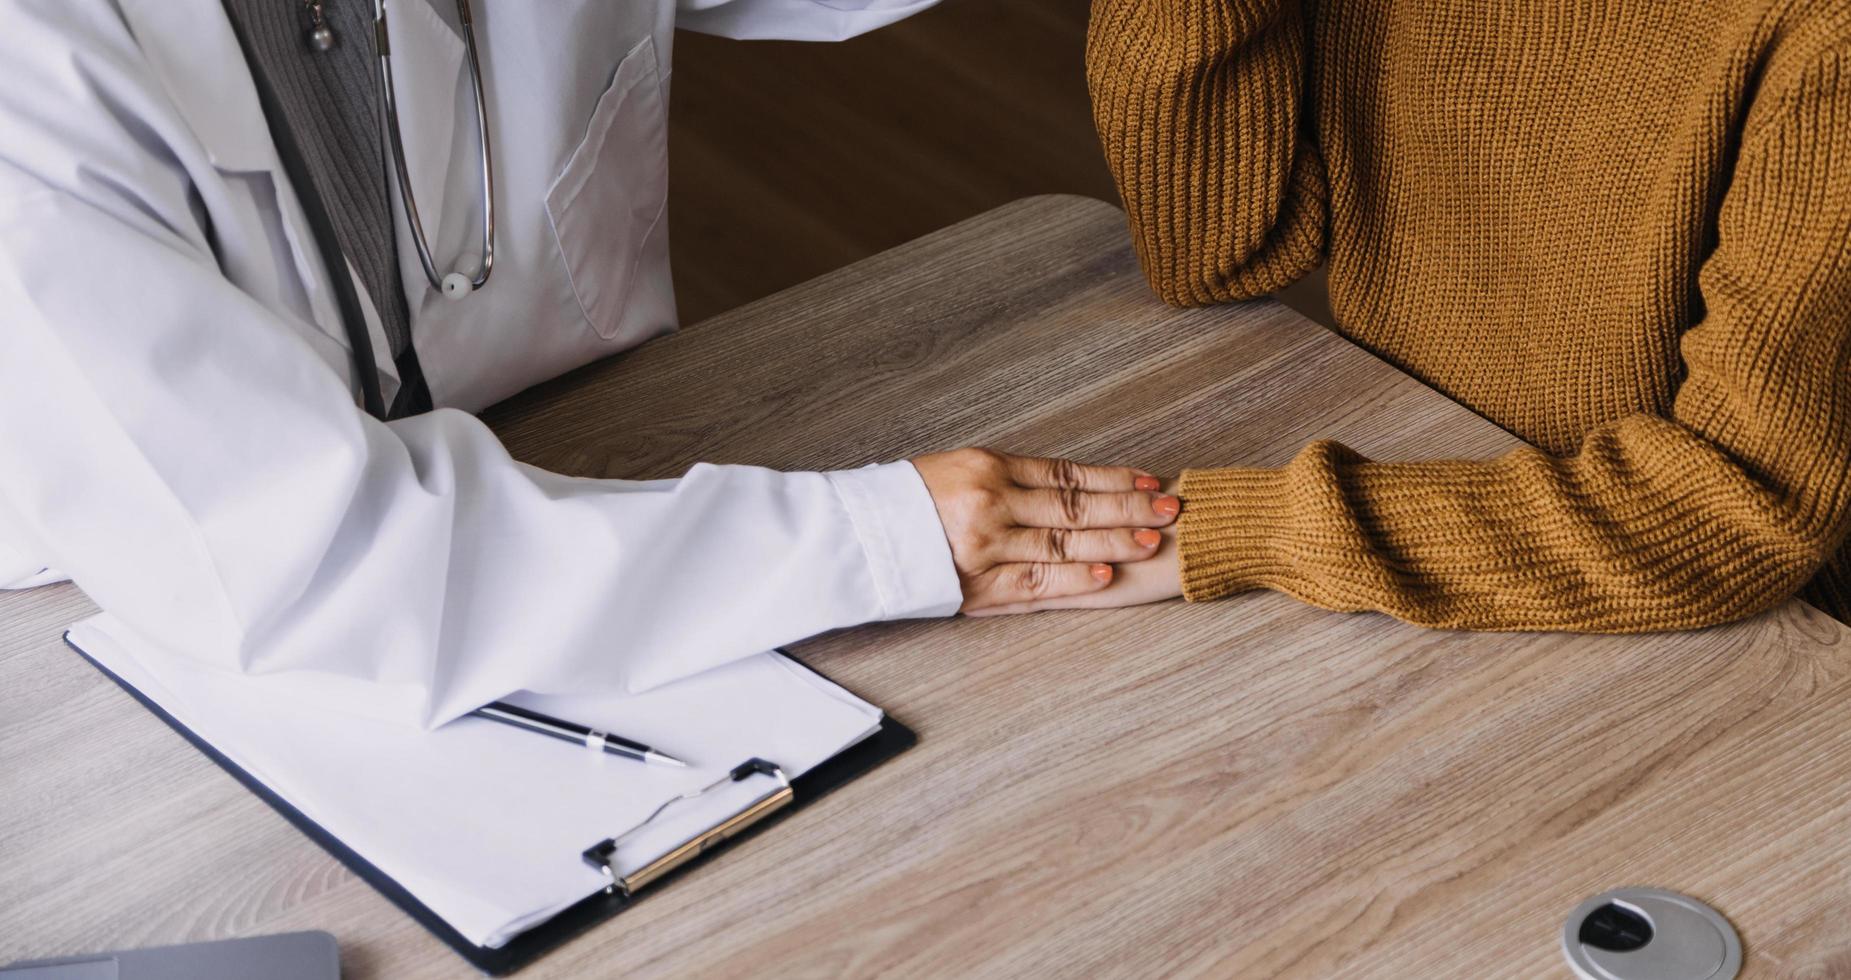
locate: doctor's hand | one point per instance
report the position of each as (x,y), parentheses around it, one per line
(1154,580)
(1027,531)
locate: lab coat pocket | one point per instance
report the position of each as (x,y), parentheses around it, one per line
(609,199)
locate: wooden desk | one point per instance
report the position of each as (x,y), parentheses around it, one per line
(1243,788)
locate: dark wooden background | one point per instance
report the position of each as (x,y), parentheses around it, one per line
(788,160)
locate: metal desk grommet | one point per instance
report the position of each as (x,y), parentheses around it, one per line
(1650,934)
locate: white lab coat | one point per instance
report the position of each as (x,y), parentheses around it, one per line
(181,432)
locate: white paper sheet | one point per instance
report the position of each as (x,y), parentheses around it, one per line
(484,823)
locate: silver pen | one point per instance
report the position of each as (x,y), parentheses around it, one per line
(591,738)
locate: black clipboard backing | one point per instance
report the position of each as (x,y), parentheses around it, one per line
(890,740)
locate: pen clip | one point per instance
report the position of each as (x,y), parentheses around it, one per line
(602,855)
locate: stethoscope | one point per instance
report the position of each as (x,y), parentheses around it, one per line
(454,285)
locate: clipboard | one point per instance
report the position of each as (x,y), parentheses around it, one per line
(764,811)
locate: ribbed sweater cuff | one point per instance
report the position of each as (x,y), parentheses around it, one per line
(1228,536)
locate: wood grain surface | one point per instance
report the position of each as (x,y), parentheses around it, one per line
(1243,788)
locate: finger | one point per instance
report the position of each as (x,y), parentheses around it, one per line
(1085,600)
(1098,599)
(1065,474)
(1030,581)
(1059,545)
(1081,509)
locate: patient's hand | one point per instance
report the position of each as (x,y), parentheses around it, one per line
(1032,533)
(1153,580)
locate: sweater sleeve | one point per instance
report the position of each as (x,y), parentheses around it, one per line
(1723,509)
(1201,110)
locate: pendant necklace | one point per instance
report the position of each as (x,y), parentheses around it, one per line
(320,35)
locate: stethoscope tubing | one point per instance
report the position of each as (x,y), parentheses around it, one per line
(388,95)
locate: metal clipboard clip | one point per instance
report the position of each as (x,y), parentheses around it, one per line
(602,854)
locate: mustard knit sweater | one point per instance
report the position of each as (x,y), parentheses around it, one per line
(1621,230)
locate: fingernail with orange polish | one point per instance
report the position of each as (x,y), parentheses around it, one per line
(1147,483)
(1167,506)
(1147,538)
(1102,572)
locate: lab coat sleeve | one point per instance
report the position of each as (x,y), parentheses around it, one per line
(17,571)
(183,453)
(793,20)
